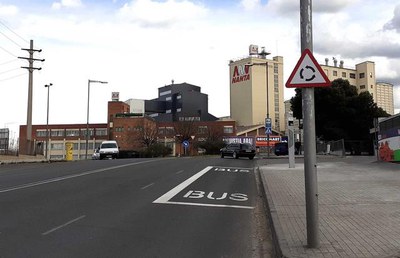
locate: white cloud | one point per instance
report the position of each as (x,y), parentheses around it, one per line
(250,5)
(318,6)
(395,22)
(150,13)
(8,10)
(67,4)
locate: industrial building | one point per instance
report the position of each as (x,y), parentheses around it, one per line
(180,113)
(256,90)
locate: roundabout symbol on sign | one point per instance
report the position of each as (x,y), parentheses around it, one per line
(309,78)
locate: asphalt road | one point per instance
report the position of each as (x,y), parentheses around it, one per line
(177,207)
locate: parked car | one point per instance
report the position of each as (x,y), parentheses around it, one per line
(281,148)
(96,154)
(109,149)
(237,150)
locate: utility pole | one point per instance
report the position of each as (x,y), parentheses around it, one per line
(30,68)
(310,156)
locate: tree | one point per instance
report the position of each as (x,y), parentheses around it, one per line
(213,142)
(340,112)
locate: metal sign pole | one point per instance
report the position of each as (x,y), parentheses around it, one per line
(310,156)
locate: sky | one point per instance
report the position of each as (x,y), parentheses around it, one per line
(138,46)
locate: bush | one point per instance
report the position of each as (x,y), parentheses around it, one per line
(211,147)
(157,150)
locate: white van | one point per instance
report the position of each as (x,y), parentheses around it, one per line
(109,149)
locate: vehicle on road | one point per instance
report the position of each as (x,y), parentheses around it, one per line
(236,150)
(96,154)
(281,148)
(109,149)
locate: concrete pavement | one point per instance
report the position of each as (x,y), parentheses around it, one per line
(359,207)
(8,159)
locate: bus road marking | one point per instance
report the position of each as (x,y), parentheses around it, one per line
(164,199)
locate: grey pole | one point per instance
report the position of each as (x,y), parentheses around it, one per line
(310,156)
(47,123)
(87,120)
(87,115)
(266,81)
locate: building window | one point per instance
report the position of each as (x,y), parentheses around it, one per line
(228,129)
(372,86)
(352,75)
(168,98)
(72,132)
(276,68)
(119,129)
(344,75)
(370,75)
(165,93)
(169,130)
(202,129)
(101,131)
(161,130)
(57,146)
(362,87)
(334,73)
(168,111)
(57,132)
(178,110)
(178,97)
(41,133)
(91,132)
(362,75)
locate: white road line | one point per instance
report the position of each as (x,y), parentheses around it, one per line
(167,196)
(211,205)
(57,179)
(63,225)
(180,171)
(144,187)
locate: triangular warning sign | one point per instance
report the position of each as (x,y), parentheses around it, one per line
(307,73)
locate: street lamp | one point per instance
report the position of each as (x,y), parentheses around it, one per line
(47,124)
(87,121)
(267,89)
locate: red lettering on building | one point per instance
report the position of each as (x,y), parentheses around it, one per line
(240,74)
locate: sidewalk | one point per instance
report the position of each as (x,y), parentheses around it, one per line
(7,159)
(359,207)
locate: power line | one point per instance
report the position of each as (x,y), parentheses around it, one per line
(5,50)
(2,23)
(9,62)
(7,71)
(12,77)
(7,37)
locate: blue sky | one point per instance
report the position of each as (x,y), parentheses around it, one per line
(140,45)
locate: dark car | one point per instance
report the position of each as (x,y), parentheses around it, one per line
(237,150)
(281,148)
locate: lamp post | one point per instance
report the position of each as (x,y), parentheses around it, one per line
(47,123)
(87,121)
(267,89)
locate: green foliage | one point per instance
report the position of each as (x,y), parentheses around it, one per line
(340,112)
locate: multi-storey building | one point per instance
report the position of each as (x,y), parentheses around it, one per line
(384,96)
(256,90)
(364,79)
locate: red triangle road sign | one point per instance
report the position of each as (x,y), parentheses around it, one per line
(307,73)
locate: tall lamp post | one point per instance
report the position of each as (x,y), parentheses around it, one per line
(267,89)
(87,121)
(47,123)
